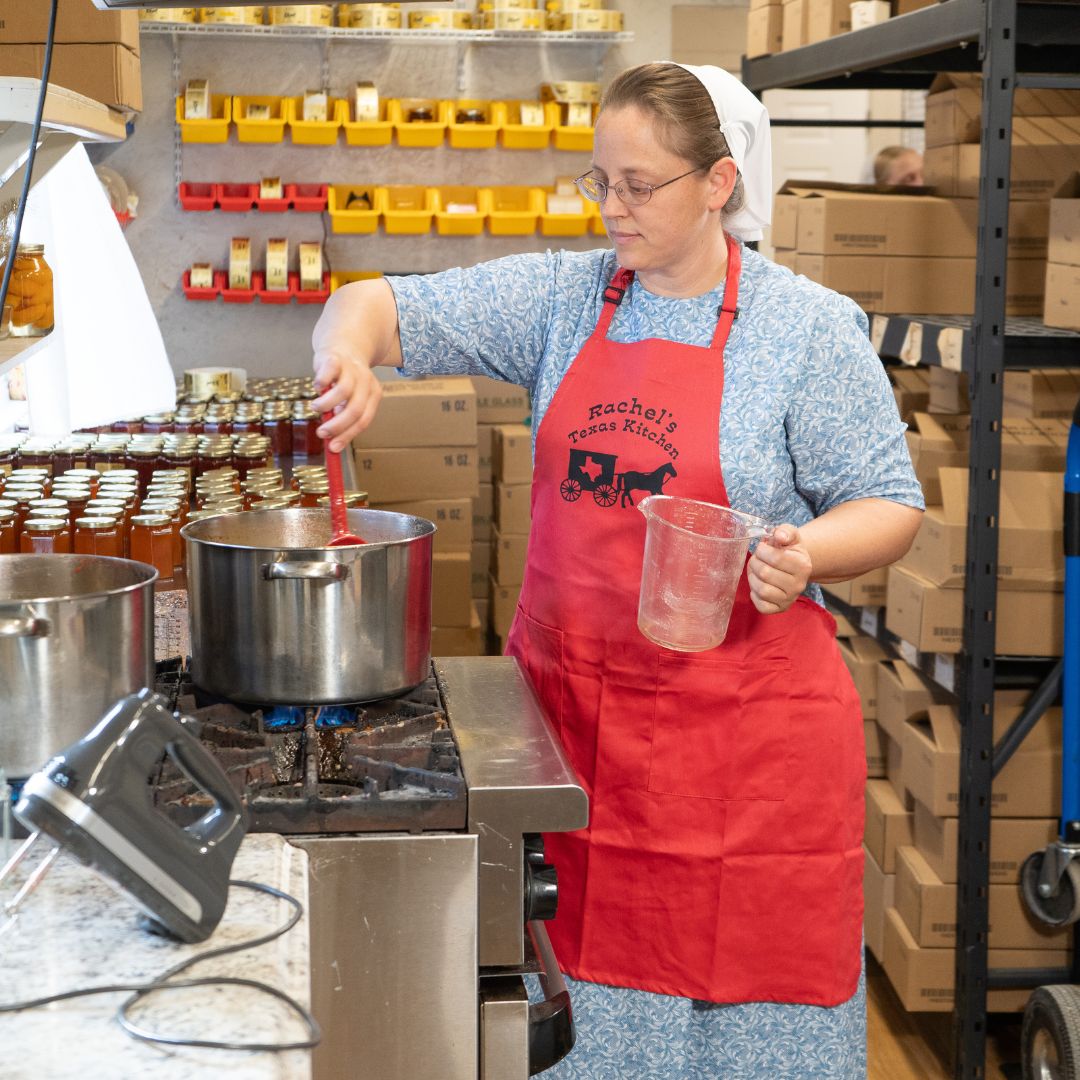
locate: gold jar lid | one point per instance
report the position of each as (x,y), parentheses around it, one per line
(6,514)
(216,451)
(114,512)
(112,504)
(151,520)
(213,511)
(112,475)
(8,504)
(30,249)
(143,451)
(353,499)
(45,524)
(98,523)
(56,504)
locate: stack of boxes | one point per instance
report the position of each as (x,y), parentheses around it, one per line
(512,466)
(497,404)
(1063,269)
(419,456)
(96,53)
(780,25)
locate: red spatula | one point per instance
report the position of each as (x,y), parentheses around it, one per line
(339,514)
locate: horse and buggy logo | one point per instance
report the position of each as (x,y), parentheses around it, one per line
(590,471)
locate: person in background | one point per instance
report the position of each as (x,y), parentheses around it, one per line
(898,166)
(710,916)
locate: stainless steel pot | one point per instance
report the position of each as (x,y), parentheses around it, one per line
(76,635)
(277,616)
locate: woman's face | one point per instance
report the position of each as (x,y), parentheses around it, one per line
(679,220)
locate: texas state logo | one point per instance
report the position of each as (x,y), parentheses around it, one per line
(601,474)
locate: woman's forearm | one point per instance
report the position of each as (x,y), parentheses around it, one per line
(858,536)
(359,324)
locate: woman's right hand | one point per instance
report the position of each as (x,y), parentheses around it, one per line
(350,390)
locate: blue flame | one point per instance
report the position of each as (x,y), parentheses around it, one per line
(335,716)
(283,718)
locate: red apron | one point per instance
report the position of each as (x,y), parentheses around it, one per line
(723,857)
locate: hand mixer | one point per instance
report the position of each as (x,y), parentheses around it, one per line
(95,800)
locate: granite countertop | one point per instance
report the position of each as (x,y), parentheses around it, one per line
(76,931)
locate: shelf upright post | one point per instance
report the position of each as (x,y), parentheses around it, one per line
(977,674)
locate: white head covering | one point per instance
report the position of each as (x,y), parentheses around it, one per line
(745,125)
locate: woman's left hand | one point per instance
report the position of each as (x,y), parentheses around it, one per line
(778,571)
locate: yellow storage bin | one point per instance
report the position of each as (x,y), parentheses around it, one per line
(418,132)
(569,138)
(346,277)
(567,224)
(313,132)
(214,130)
(259,131)
(450,222)
(407,209)
(473,134)
(365,132)
(518,136)
(355,219)
(512,210)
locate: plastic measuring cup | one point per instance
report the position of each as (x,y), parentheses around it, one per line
(694,556)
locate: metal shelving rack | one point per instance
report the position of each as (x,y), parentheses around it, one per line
(1012,45)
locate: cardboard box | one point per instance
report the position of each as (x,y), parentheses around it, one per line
(513,508)
(423,412)
(407,474)
(888,824)
(1042,392)
(483,511)
(1030,543)
(78,22)
(1061,306)
(483,609)
(485,441)
(452,518)
(1029,786)
(709,34)
(504,600)
(481,569)
(931,286)
(764,30)
(928,907)
(1064,246)
(844,629)
(866,590)
(948,391)
(931,618)
(954,107)
(1012,840)
(508,558)
(785,259)
(451,589)
(499,402)
(924,979)
(785,220)
(511,454)
(857,219)
(826,19)
(911,389)
(903,691)
(1045,154)
(459,640)
(861,656)
(874,738)
(878,891)
(793,25)
(894,772)
(107,73)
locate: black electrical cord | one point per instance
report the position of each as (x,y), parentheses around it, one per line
(20,209)
(165,981)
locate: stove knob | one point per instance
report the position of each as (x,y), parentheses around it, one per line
(541,891)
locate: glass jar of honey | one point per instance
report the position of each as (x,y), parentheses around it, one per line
(9,540)
(30,292)
(277,426)
(311,492)
(151,542)
(45,536)
(305,423)
(98,536)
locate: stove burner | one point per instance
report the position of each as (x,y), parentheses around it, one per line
(389,764)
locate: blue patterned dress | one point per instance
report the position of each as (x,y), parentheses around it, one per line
(808,422)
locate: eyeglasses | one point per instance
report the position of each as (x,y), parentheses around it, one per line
(632,192)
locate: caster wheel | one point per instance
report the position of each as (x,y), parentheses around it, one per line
(1060,910)
(1050,1037)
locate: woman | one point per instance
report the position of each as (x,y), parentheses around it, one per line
(898,166)
(722,864)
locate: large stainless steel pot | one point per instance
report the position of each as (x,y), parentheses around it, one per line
(76,635)
(277,616)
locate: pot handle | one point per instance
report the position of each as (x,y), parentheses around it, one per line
(311,571)
(30,626)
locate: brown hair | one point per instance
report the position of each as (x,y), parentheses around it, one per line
(686,120)
(885,159)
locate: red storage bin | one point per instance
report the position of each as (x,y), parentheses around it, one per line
(279,296)
(307,198)
(273,206)
(242,296)
(237,197)
(313,296)
(198,196)
(212,293)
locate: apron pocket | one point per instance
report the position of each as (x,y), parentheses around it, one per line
(540,650)
(720,728)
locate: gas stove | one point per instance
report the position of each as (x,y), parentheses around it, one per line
(421,818)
